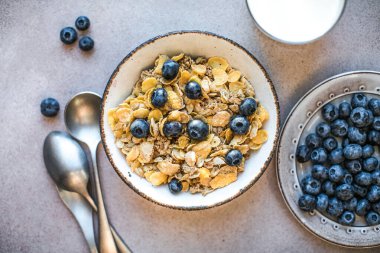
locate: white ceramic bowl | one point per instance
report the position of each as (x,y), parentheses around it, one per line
(195,43)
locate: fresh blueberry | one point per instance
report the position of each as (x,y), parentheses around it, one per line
(175,186)
(68,35)
(344,192)
(373,137)
(345,142)
(193,90)
(49,107)
(159,97)
(363,178)
(361,117)
(172,129)
(313,141)
(359,191)
(330,144)
(376,123)
(336,156)
(323,129)
(376,177)
(328,187)
(307,202)
(373,194)
(374,106)
(344,110)
(367,151)
(330,112)
(239,124)
(352,151)
(248,106)
(356,135)
(303,154)
(347,218)
(310,185)
(348,178)
(372,218)
(82,23)
(336,173)
(318,155)
(234,157)
(170,70)
(353,166)
(197,129)
(370,164)
(322,202)
(320,172)
(140,128)
(362,207)
(350,204)
(86,43)
(339,128)
(376,207)
(335,207)
(359,100)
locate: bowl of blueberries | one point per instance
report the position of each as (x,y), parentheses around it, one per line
(328,160)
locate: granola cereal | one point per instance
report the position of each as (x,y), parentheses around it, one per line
(198,165)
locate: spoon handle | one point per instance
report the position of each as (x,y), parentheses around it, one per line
(106,241)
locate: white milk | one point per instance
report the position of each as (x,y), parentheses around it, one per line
(296,21)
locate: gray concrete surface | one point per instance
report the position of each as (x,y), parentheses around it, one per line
(34,64)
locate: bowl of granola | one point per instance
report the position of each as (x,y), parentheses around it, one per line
(189,120)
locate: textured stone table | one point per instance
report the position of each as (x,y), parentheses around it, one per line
(34,64)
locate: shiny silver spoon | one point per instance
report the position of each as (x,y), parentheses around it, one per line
(82,116)
(67,164)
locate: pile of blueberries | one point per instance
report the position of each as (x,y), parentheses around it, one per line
(197,129)
(69,35)
(345,175)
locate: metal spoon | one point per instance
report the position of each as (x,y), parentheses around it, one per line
(82,115)
(67,164)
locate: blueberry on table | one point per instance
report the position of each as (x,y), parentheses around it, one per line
(303,153)
(172,129)
(336,173)
(335,207)
(359,100)
(367,151)
(307,202)
(82,23)
(248,106)
(370,164)
(318,155)
(322,202)
(350,204)
(344,192)
(323,129)
(361,117)
(353,151)
(376,177)
(362,207)
(363,179)
(86,43)
(313,141)
(234,157)
(347,218)
(239,124)
(359,191)
(336,156)
(330,144)
(372,218)
(170,69)
(330,112)
(175,186)
(328,187)
(311,185)
(193,90)
(348,178)
(374,106)
(68,35)
(353,166)
(339,128)
(197,129)
(373,137)
(49,107)
(373,194)
(376,207)
(344,110)
(356,135)
(376,123)
(159,97)
(140,128)
(319,172)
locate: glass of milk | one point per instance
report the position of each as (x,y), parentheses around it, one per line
(296,21)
